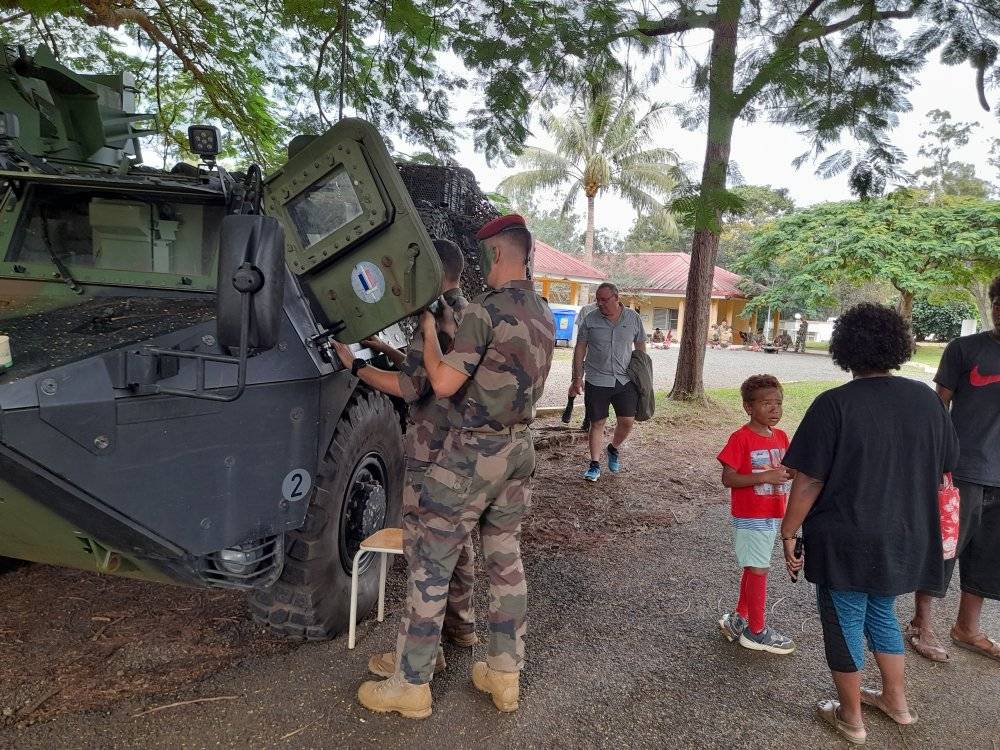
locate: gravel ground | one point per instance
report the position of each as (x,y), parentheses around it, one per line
(623,651)
(724,368)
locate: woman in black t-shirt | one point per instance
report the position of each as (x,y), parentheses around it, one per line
(870,455)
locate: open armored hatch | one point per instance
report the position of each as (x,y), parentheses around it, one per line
(352,234)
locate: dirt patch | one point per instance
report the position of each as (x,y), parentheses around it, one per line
(670,471)
(73,641)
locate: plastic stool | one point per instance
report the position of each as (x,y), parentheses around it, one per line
(386,542)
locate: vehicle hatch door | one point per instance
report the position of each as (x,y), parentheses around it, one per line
(352,235)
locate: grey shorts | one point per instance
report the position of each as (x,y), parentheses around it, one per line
(978,554)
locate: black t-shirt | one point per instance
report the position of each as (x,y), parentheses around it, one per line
(970,368)
(880,446)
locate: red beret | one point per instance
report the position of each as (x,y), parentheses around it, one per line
(493,228)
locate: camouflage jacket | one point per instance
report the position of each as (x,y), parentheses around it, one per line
(504,343)
(427,417)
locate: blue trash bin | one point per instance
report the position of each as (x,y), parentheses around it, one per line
(564,324)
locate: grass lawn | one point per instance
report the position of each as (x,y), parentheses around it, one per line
(927,353)
(728,406)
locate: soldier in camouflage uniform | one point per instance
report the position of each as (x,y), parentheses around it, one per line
(427,426)
(800,335)
(494,375)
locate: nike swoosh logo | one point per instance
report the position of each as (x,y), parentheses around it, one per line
(979,380)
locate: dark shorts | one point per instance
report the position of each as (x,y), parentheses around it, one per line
(978,554)
(623,397)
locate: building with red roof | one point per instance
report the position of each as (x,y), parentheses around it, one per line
(564,278)
(655,285)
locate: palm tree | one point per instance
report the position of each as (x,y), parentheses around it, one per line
(601,144)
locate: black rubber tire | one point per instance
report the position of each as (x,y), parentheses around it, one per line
(312,598)
(8,563)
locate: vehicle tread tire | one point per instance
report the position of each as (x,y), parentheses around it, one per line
(311,599)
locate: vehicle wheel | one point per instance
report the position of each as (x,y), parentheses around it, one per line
(358,491)
(8,563)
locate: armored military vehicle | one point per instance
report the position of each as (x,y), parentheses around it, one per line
(170,409)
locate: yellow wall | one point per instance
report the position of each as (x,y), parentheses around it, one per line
(562,290)
(720,310)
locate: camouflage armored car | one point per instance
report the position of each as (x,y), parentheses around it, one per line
(169,409)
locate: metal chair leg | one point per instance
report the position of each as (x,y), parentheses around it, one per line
(381,587)
(354,601)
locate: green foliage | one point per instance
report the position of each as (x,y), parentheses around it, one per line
(750,206)
(602,145)
(942,176)
(649,233)
(265,71)
(553,227)
(918,246)
(941,321)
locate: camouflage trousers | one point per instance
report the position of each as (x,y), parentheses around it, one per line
(479,479)
(460,615)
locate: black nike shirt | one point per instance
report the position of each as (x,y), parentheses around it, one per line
(970,368)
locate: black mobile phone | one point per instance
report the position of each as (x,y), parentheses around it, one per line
(568,411)
(798,556)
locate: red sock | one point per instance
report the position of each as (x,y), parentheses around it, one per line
(756,593)
(743,605)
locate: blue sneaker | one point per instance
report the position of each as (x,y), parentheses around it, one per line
(593,473)
(614,460)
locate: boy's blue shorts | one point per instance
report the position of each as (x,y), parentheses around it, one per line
(850,617)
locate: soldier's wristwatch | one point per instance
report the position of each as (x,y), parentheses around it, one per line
(357,364)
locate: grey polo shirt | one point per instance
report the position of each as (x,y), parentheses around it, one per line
(609,346)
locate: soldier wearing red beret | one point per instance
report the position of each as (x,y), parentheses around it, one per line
(493,376)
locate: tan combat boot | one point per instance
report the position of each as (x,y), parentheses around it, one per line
(384,665)
(460,639)
(503,686)
(396,694)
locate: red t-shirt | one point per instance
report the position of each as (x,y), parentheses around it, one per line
(750,453)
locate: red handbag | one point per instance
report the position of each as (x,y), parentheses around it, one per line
(948,505)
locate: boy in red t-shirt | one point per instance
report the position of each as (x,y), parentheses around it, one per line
(751,467)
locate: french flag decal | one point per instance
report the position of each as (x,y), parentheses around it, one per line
(368,282)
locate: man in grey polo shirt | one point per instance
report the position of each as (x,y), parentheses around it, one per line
(603,349)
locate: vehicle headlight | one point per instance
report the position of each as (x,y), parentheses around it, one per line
(204,140)
(239,560)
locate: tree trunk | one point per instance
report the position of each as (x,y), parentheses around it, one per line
(905,306)
(722,114)
(980,291)
(588,243)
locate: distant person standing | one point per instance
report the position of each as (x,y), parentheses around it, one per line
(801,334)
(725,335)
(968,380)
(601,358)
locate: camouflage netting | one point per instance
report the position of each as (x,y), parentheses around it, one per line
(44,340)
(452,207)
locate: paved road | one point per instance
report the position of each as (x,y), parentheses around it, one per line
(723,368)
(616,659)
